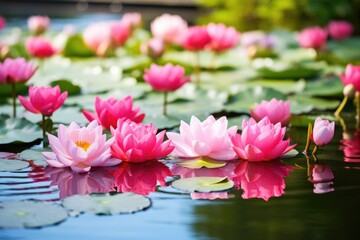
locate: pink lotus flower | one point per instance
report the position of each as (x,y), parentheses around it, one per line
(18,70)
(109,111)
(38,24)
(71,183)
(39,47)
(80,148)
(154,48)
(3,74)
(222,37)
(98,37)
(351,76)
(132,20)
(165,78)
(260,141)
(209,138)
(196,38)
(2,23)
(43,100)
(313,37)
(138,143)
(340,30)
(120,32)
(141,178)
(261,179)
(169,28)
(277,111)
(323,131)
(257,39)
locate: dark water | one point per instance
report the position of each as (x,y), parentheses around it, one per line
(309,209)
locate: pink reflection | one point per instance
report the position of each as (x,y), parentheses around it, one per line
(141,178)
(350,144)
(322,177)
(70,183)
(8,155)
(210,195)
(261,179)
(225,171)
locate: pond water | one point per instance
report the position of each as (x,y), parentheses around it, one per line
(318,209)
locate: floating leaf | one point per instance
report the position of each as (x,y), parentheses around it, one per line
(18,130)
(203,184)
(12,165)
(35,156)
(161,121)
(66,85)
(303,121)
(290,154)
(6,90)
(237,121)
(107,204)
(290,73)
(304,104)
(324,87)
(201,162)
(30,214)
(75,47)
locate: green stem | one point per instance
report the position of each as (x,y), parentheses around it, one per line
(315,150)
(165,103)
(197,68)
(308,167)
(13,86)
(341,106)
(306,150)
(44,131)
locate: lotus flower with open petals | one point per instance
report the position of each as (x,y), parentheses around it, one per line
(138,143)
(260,141)
(351,76)
(275,110)
(80,148)
(323,131)
(18,70)
(222,37)
(169,28)
(196,38)
(109,111)
(43,100)
(210,138)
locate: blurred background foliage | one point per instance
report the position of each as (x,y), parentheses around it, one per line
(269,14)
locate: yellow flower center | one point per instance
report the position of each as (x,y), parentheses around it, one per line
(83,144)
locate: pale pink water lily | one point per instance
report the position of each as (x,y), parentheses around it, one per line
(196,38)
(169,28)
(222,37)
(18,70)
(39,47)
(210,138)
(340,30)
(323,132)
(120,32)
(153,48)
(132,20)
(43,100)
(138,143)
(277,111)
(98,37)
(351,76)
(312,37)
(38,24)
(260,141)
(109,111)
(80,148)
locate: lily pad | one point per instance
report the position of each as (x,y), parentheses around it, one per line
(35,156)
(105,204)
(203,184)
(12,165)
(30,214)
(303,120)
(324,87)
(290,154)
(304,104)
(200,163)
(75,47)
(289,73)
(161,121)
(66,85)
(18,130)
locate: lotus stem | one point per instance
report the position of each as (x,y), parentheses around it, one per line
(306,150)
(315,150)
(308,167)
(165,103)
(43,126)
(13,87)
(197,68)
(341,106)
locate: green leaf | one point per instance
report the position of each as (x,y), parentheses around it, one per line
(75,47)
(304,120)
(203,184)
(12,165)
(304,104)
(35,156)
(161,121)
(324,87)
(106,204)
(6,90)
(290,73)
(66,85)
(30,214)
(200,162)
(18,130)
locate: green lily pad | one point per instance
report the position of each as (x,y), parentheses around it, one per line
(106,204)
(18,130)
(161,121)
(324,87)
(244,100)
(237,121)
(290,73)
(200,163)
(303,120)
(283,86)
(303,104)
(30,214)
(64,115)
(12,165)
(75,47)
(66,85)
(203,184)
(35,156)
(6,90)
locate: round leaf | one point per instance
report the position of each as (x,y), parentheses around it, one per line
(203,184)
(201,162)
(12,165)
(18,130)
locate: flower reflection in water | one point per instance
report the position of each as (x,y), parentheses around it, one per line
(350,144)
(141,178)
(321,175)
(261,179)
(210,195)
(70,183)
